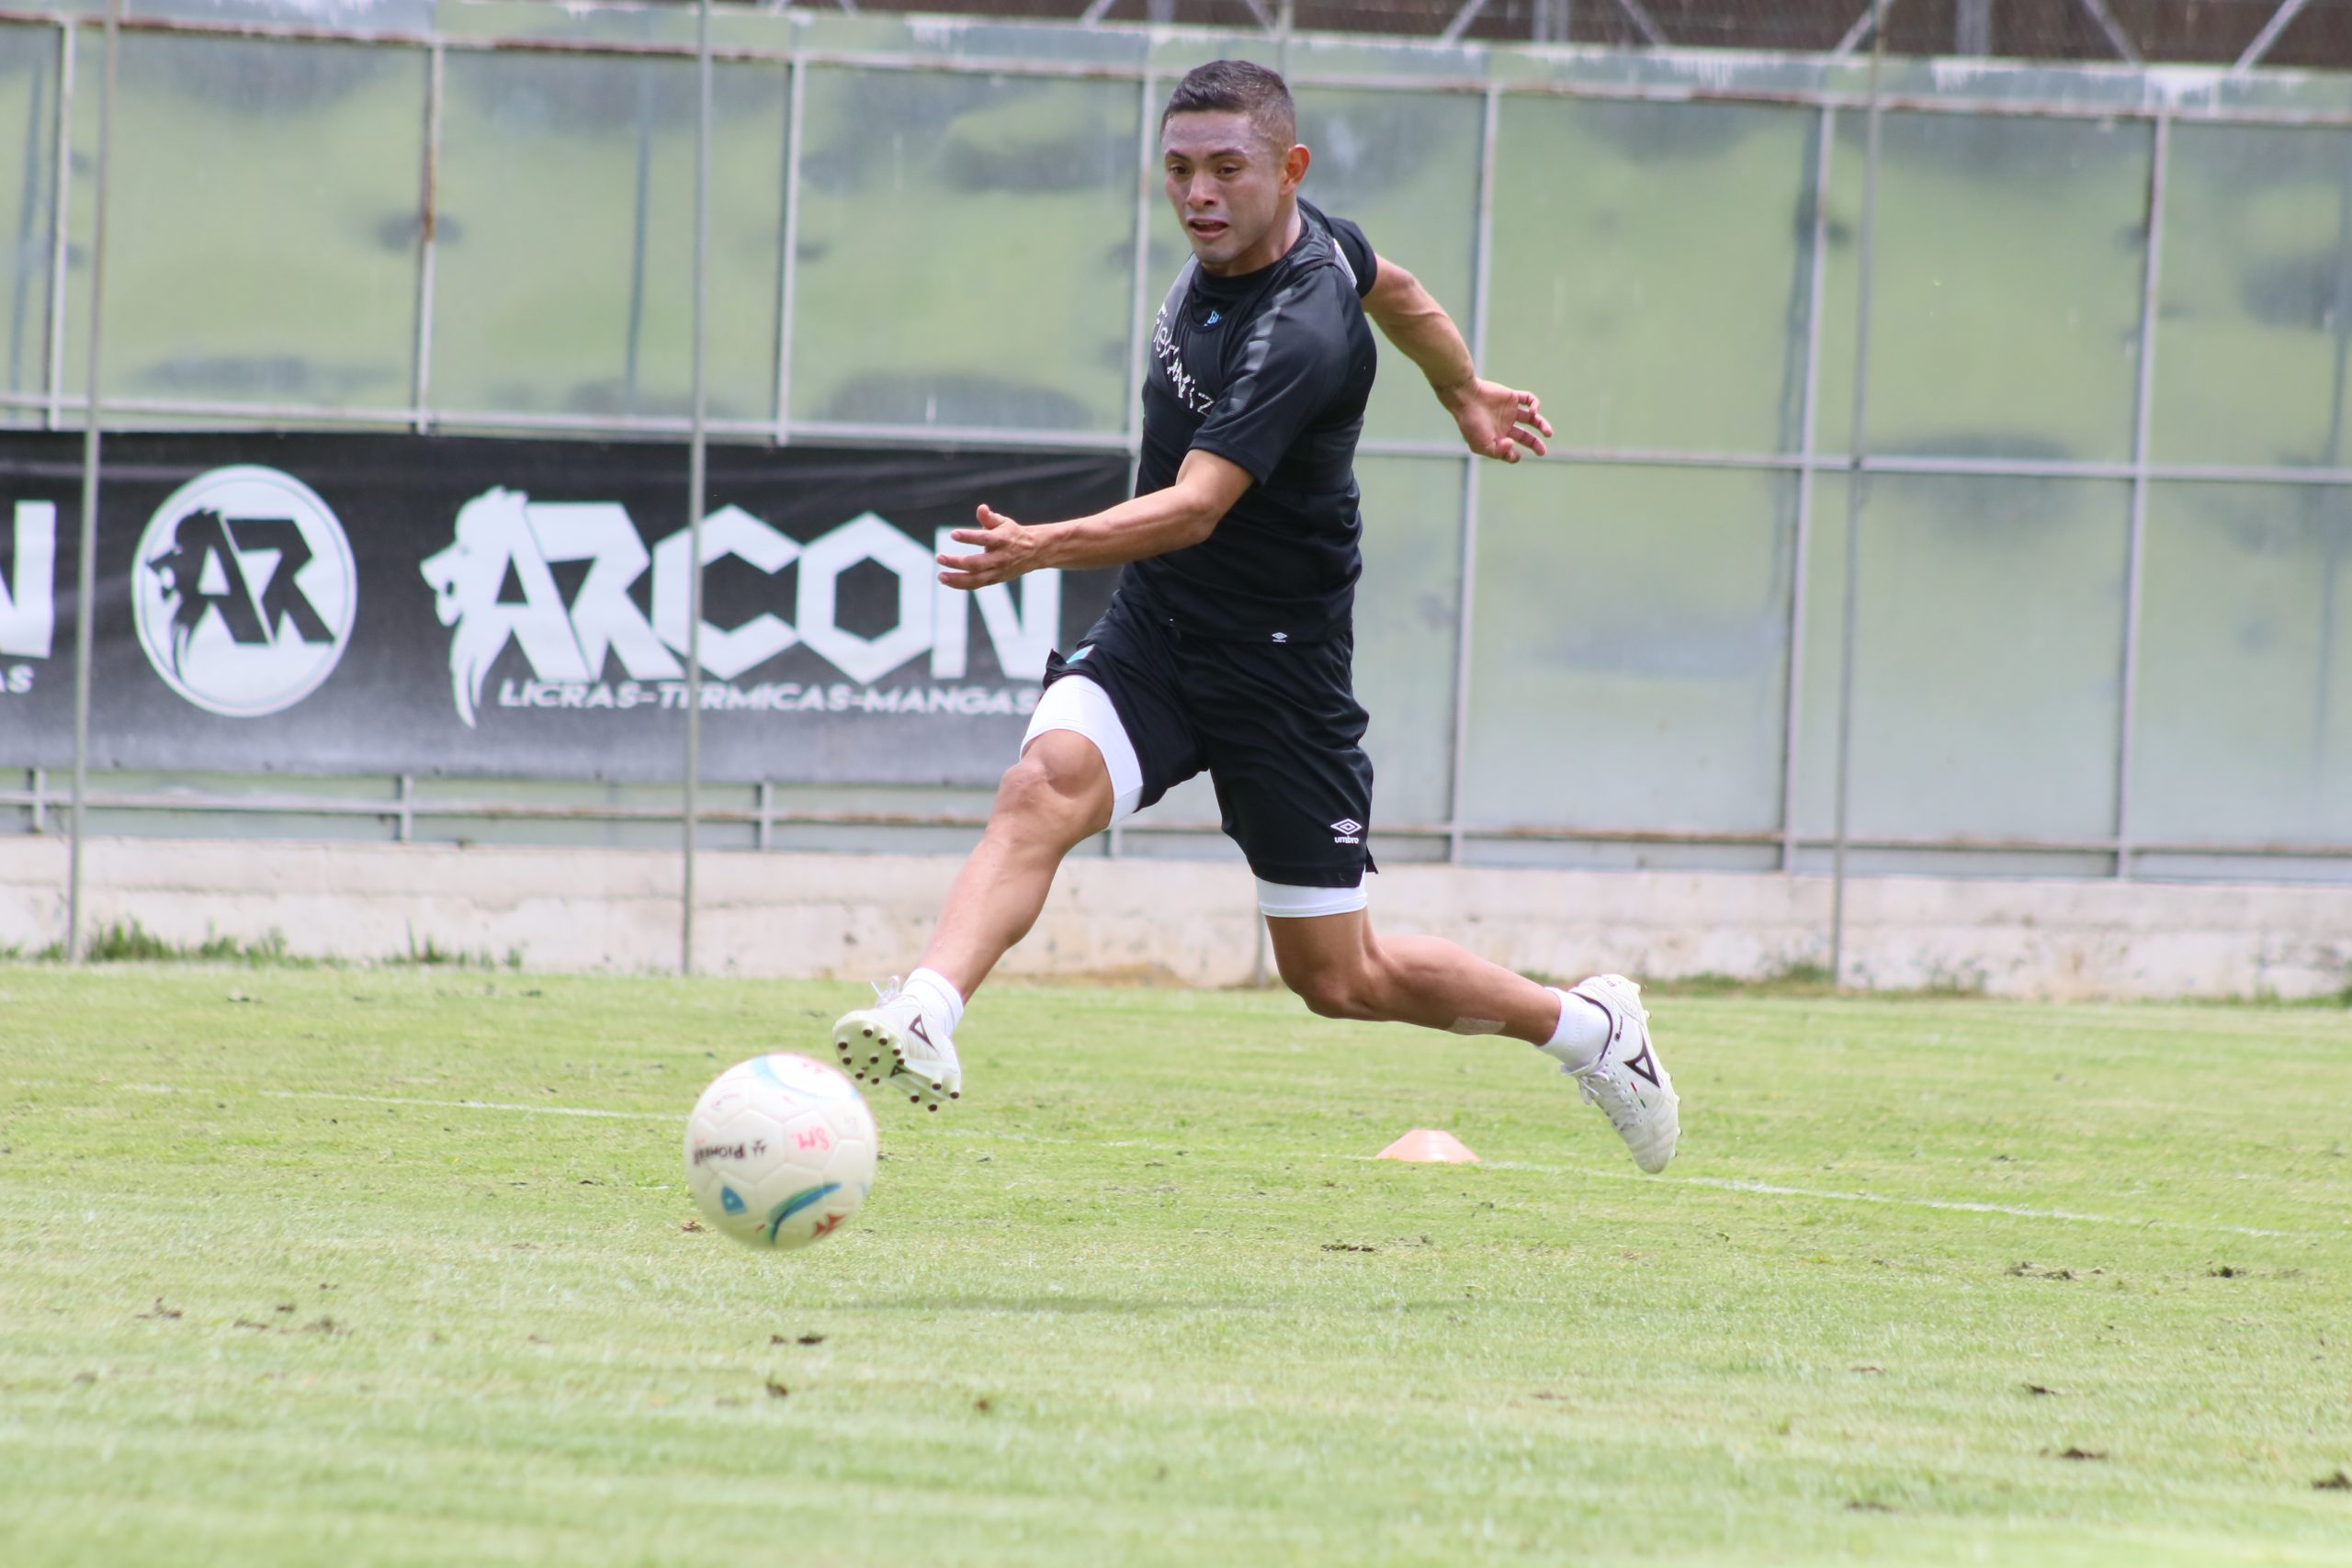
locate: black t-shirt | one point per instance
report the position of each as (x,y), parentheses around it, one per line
(1270,370)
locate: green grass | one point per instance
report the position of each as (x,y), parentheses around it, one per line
(130,941)
(270,1294)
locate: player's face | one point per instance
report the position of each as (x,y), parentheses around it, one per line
(1229,189)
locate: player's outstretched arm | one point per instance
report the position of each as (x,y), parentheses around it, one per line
(1496,420)
(1184,514)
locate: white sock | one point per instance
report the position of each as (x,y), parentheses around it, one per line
(1582,1033)
(941,1003)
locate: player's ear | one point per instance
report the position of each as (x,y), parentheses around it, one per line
(1295,164)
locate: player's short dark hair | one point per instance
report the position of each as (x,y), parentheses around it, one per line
(1236,86)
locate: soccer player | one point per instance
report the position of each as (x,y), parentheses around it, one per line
(1228,647)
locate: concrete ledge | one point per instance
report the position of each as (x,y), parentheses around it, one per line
(866,917)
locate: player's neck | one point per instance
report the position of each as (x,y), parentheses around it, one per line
(1280,237)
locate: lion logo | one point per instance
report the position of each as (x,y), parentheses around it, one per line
(468,581)
(493,585)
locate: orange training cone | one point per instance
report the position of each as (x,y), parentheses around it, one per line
(1424,1147)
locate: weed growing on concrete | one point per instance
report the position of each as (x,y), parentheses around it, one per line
(128,942)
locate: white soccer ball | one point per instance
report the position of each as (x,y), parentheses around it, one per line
(780,1150)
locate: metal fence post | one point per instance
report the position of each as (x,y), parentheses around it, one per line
(1481,280)
(645,75)
(2135,547)
(1139,332)
(61,195)
(86,566)
(1139,298)
(1859,445)
(789,282)
(1801,548)
(697,464)
(427,237)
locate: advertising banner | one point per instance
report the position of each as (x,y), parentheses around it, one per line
(435,605)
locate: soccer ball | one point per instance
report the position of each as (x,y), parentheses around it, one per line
(780,1150)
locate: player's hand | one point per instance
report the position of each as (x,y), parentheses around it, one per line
(1000,551)
(1498,421)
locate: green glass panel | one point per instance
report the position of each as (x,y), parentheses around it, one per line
(1408,612)
(2004,288)
(2254,298)
(564,273)
(1988,657)
(1403,167)
(2244,717)
(263,220)
(1629,650)
(966,251)
(28,82)
(1650,270)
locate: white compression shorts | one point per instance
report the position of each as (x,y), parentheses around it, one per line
(1075,703)
(1078,704)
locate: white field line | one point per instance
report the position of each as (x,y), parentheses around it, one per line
(429,1104)
(1720,1184)
(1947,1205)
(480,1105)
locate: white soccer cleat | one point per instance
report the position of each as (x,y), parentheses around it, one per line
(891,1046)
(1626,1080)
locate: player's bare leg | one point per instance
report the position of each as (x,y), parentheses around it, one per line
(1598,1031)
(1055,797)
(1341,969)
(1051,801)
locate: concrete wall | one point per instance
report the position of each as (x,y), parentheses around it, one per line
(866,917)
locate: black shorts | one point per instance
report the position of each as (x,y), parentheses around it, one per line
(1276,727)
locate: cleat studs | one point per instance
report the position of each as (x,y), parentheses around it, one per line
(869,1032)
(955,1094)
(933,1107)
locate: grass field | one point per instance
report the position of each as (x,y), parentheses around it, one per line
(381,1266)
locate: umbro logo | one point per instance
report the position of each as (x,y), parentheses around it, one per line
(1282,636)
(1215,317)
(1349,831)
(1647,1065)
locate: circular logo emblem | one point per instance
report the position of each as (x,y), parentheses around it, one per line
(244,591)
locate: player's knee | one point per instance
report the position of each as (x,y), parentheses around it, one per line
(1043,795)
(1338,991)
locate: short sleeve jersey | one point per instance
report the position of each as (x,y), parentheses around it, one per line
(1269,370)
